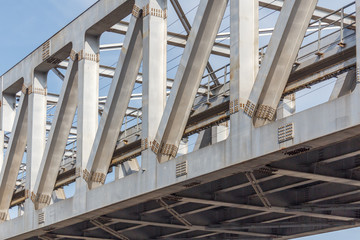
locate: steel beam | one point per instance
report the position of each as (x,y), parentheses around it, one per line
(264,209)
(318,177)
(116,105)
(14,155)
(188,78)
(58,137)
(193,228)
(277,64)
(108,230)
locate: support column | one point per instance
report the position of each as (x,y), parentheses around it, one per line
(244,65)
(154,75)
(87,114)
(244,53)
(37,90)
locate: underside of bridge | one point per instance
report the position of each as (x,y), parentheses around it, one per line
(302,194)
(212,123)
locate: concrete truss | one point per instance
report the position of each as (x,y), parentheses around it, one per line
(258,168)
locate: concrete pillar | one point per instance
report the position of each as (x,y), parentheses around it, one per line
(37,90)
(287,106)
(244,65)
(244,53)
(87,113)
(154,75)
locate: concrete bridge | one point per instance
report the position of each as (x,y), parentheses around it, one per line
(257,168)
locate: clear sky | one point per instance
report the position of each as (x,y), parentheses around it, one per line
(25,25)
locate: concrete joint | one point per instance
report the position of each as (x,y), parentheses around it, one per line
(40,198)
(98,177)
(41,91)
(88,56)
(94,177)
(265,112)
(169,149)
(145,144)
(24,89)
(250,108)
(73,55)
(155,146)
(86,175)
(154,12)
(136,11)
(235,106)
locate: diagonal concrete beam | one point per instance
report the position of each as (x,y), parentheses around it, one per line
(116,105)
(14,156)
(188,78)
(185,22)
(277,64)
(58,137)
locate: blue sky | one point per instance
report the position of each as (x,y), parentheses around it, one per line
(25,25)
